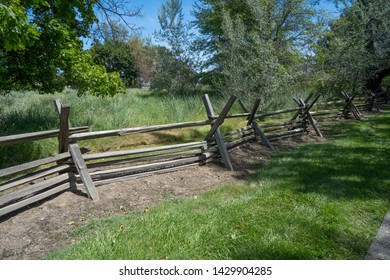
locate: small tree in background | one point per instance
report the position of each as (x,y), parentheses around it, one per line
(111,49)
(256,48)
(116,56)
(145,56)
(173,65)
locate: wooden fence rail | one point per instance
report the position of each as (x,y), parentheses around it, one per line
(136,130)
(33,181)
(25,189)
(349,107)
(27,137)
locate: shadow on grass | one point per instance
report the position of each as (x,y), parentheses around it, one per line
(354,165)
(346,182)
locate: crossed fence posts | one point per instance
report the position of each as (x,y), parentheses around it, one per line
(70,163)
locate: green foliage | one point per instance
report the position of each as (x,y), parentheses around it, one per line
(248,63)
(386,82)
(355,52)
(145,59)
(173,29)
(15,32)
(319,201)
(42,49)
(173,71)
(87,77)
(116,56)
(257,48)
(289,24)
(172,74)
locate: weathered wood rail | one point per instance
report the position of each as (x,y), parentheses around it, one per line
(350,106)
(37,180)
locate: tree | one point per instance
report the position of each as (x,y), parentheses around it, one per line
(41,49)
(110,12)
(256,48)
(355,51)
(248,65)
(291,24)
(173,69)
(173,30)
(172,74)
(115,31)
(145,56)
(111,49)
(116,56)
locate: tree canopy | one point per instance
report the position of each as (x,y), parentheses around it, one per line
(41,47)
(256,48)
(287,23)
(174,71)
(253,48)
(355,51)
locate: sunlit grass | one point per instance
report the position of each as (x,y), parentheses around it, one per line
(22,112)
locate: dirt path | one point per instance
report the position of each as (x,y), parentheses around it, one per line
(36,231)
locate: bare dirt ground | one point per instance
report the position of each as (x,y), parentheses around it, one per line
(35,231)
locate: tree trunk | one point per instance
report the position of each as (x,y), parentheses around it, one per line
(374,83)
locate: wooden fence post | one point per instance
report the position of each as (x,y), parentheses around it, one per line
(215,128)
(255,125)
(299,111)
(310,117)
(221,118)
(63,138)
(372,101)
(57,106)
(349,106)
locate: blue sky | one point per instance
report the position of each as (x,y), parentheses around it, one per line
(149,22)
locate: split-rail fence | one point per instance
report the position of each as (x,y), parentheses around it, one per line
(34,181)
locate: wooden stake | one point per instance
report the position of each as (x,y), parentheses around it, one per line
(254,124)
(220,118)
(310,117)
(58,105)
(350,106)
(217,134)
(299,111)
(83,171)
(253,112)
(63,138)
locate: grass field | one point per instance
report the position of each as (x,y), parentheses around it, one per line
(319,201)
(22,112)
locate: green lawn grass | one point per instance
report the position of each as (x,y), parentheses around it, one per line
(319,201)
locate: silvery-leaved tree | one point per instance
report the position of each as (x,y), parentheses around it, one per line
(248,65)
(256,48)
